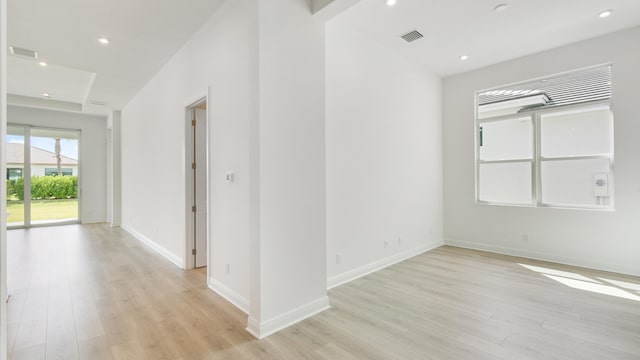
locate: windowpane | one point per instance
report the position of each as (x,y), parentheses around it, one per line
(54,171)
(50,149)
(576,133)
(505,183)
(572,182)
(506,139)
(14,174)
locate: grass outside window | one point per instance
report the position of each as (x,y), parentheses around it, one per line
(43,210)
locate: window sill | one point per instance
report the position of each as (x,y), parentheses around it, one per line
(549,206)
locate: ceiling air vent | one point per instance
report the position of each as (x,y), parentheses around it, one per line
(98,102)
(412,36)
(31,54)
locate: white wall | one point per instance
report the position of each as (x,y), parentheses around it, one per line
(3,186)
(599,239)
(292,239)
(384,156)
(92,153)
(266,114)
(221,58)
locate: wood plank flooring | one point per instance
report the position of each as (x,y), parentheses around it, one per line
(94,292)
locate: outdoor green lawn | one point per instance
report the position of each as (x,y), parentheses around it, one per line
(43,210)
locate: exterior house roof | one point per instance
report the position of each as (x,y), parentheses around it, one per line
(15,155)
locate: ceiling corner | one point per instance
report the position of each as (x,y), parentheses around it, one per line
(325,10)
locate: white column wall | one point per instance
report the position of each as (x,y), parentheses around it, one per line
(292,239)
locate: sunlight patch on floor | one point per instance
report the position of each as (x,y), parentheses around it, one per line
(623,284)
(565,274)
(617,288)
(593,287)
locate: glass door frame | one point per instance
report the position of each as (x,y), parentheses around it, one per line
(26,173)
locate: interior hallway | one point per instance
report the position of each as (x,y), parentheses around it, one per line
(94,292)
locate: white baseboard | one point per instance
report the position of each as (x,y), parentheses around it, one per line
(361,271)
(231,296)
(253,327)
(155,247)
(265,328)
(598,265)
(92,221)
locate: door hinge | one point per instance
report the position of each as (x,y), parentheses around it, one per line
(193,166)
(193,123)
(193,209)
(193,251)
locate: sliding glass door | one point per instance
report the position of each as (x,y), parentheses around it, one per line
(42,176)
(16,171)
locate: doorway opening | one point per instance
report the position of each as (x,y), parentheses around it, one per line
(42,176)
(196,254)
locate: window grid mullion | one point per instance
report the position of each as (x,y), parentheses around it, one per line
(537,154)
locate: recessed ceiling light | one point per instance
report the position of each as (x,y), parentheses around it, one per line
(464,57)
(391,2)
(46,95)
(501,7)
(103,40)
(605,13)
(43,64)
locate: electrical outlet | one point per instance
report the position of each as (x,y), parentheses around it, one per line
(386,244)
(525,238)
(338,258)
(227,268)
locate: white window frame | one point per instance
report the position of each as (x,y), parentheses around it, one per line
(537,159)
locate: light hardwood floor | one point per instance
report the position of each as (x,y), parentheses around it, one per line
(94,292)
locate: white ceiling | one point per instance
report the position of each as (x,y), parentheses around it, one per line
(144,34)
(67,84)
(452,28)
